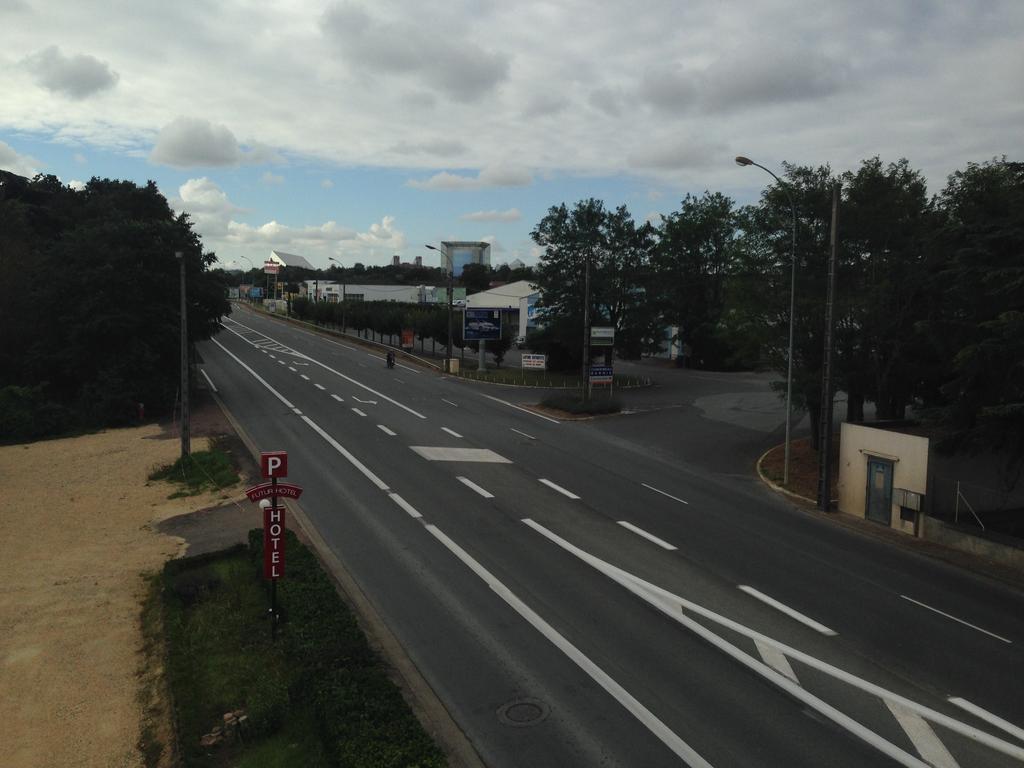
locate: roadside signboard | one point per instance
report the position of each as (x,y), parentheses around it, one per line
(600,374)
(274,464)
(271,268)
(408,335)
(602,336)
(266,490)
(273,542)
(536,362)
(481,324)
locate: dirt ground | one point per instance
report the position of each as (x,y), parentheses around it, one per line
(79,530)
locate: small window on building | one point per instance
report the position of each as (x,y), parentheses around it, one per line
(907,514)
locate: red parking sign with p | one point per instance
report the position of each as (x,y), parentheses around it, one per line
(274,464)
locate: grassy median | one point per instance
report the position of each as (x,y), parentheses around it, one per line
(317,696)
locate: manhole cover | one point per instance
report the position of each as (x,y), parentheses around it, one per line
(520,713)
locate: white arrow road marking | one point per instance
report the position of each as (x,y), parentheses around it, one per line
(598,675)
(923,737)
(776,659)
(796,615)
(676,607)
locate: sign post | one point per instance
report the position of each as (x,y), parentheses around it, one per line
(273,464)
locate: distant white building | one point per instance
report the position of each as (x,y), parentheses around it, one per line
(289,260)
(327,290)
(519,297)
(516,264)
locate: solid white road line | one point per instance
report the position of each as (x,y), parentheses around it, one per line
(793,614)
(356,410)
(524,410)
(559,488)
(405,505)
(649,536)
(339,399)
(312,424)
(961,621)
(683,750)
(923,737)
(674,498)
(304,376)
(385,430)
(522,433)
(319,386)
(451,432)
(449,402)
(675,607)
(470,484)
(988,717)
(342,375)
(776,659)
(208,380)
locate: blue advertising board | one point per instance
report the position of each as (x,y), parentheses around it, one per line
(481,324)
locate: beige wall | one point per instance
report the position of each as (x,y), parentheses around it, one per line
(909,454)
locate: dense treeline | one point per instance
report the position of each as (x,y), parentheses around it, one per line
(90,317)
(930,300)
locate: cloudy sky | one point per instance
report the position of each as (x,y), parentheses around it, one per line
(364,129)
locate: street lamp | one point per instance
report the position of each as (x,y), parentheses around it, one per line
(744,161)
(185,424)
(344,327)
(448,263)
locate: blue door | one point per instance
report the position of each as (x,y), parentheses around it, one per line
(879,495)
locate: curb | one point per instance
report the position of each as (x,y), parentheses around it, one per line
(774,486)
(426,705)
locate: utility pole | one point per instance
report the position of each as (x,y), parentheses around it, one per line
(185,427)
(825,430)
(585,373)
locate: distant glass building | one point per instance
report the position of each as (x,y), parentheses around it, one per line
(462,252)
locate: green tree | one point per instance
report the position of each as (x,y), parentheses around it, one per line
(976,323)
(694,257)
(476,277)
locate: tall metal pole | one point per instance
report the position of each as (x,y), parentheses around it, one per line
(584,374)
(825,430)
(185,427)
(792,313)
(448,266)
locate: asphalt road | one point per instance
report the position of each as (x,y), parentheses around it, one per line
(620,592)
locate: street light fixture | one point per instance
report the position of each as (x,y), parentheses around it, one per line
(745,161)
(448,266)
(344,327)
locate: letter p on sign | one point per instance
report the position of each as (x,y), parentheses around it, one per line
(274,464)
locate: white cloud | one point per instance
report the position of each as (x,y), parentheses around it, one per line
(76,184)
(76,76)
(512,214)
(80,158)
(494,176)
(271,178)
(327,184)
(23,165)
(188,142)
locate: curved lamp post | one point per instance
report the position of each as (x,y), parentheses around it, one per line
(740,160)
(344,327)
(448,263)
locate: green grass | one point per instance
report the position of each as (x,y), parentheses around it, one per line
(599,403)
(198,472)
(316,696)
(533,378)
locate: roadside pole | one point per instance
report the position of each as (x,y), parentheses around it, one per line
(825,427)
(186,428)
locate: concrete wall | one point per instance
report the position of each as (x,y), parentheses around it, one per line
(908,453)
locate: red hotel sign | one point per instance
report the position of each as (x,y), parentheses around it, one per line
(273,542)
(266,490)
(274,464)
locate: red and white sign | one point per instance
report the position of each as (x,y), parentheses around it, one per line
(274,464)
(273,542)
(408,335)
(266,490)
(271,267)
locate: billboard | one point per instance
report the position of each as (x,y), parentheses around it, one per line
(481,324)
